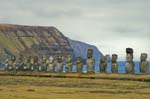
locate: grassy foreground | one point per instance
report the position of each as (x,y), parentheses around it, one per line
(23,87)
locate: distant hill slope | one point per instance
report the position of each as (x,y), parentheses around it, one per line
(80,49)
(39,40)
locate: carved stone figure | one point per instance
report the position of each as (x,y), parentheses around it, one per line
(40,67)
(24,66)
(114,65)
(20,61)
(13,59)
(143,63)
(36,64)
(32,64)
(6,63)
(52,63)
(28,62)
(68,63)
(59,63)
(129,60)
(44,59)
(79,64)
(90,61)
(103,64)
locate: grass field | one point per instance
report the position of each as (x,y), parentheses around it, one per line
(22,87)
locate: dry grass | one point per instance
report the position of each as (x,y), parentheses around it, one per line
(139,77)
(21,87)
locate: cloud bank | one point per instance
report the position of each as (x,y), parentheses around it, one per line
(111,25)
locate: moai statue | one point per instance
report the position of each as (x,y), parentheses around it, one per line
(13,58)
(32,64)
(40,67)
(28,62)
(59,63)
(6,63)
(103,64)
(20,62)
(36,62)
(90,61)
(44,59)
(24,66)
(47,69)
(129,60)
(143,63)
(79,64)
(68,63)
(10,67)
(17,65)
(51,63)
(114,64)
(11,63)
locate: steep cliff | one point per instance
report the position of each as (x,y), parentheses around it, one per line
(38,40)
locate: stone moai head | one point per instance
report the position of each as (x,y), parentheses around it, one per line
(103,59)
(114,58)
(51,59)
(90,53)
(79,60)
(68,58)
(129,54)
(143,57)
(59,58)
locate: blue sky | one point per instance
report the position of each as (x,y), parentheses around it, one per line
(111,25)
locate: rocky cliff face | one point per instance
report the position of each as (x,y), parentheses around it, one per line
(38,40)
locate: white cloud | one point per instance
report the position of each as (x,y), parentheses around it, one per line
(111,25)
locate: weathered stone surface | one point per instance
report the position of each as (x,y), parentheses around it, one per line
(69,63)
(103,64)
(114,64)
(143,63)
(79,64)
(59,63)
(90,61)
(51,63)
(129,60)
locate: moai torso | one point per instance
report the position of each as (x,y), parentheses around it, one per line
(143,63)
(13,61)
(79,64)
(90,61)
(10,64)
(69,63)
(103,64)
(114,64)
(51,63)
(29,62)
(36,64)
(6,63)
(44,60)
(129,61)
(40,67)
(20,62)
(59,63)
(32,64)
(24,66)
